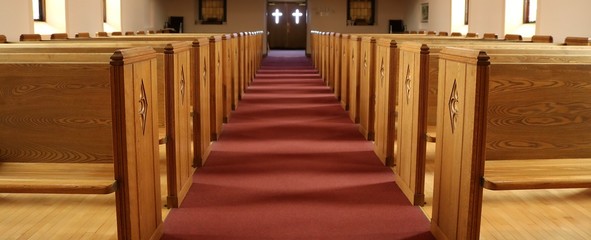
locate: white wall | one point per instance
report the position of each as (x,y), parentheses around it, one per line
(16,17)
(561,18)
(487,16)
(82,16)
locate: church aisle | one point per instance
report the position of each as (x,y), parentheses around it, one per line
(291,165)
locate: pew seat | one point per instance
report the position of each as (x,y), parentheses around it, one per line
(57,178)
(537,174)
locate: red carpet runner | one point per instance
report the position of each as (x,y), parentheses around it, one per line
(291,165)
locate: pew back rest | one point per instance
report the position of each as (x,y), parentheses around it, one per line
(59,36)
(82,35)
(542,39)
(513,37)
(577,41)
(30,37)
(62,116)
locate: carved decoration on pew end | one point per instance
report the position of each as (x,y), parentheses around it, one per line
(453,106)
(382,72)
(182,84)
(408,84)
(143,108)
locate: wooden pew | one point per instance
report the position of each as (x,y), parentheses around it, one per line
(407,169)
(421,72)
(71,132)
(3,39)
(174,75)
(218,45)
(456,34)
(520,113)
(102,34)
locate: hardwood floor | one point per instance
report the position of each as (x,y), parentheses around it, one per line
(63,216)
(527,214)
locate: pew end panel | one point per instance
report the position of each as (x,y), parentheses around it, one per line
(216,86)
(346,54)
(367,85)
(459,155)
(179,152)
(355,62)
(412,98)
(386,83)
(201,101)
(135,134)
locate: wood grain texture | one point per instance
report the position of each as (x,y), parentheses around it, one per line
(539,111)
(67,104)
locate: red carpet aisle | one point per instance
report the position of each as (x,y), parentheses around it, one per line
(291,165)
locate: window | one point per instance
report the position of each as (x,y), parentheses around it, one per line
(212,11)
(360,12)
(530,8)
(39,10)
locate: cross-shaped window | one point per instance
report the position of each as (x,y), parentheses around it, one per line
(277,14)
(297,14)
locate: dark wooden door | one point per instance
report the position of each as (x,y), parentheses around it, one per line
(286,25)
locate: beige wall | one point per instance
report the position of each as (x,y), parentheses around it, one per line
(83,17)
(561,18)
(16,18)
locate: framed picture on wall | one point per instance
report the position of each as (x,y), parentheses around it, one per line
(424,12)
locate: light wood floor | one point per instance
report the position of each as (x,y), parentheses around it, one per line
(527,214)
(60,216)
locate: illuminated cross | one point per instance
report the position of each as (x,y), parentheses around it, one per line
(277,14)
(297,14)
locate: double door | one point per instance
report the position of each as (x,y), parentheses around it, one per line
(286,25)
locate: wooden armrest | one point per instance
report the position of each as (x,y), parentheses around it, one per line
(537,174)
(58,178)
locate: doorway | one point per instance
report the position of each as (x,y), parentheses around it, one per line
(286,25)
